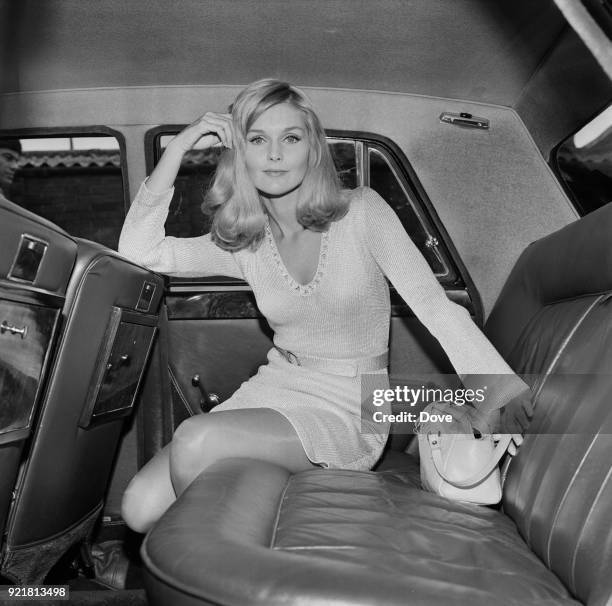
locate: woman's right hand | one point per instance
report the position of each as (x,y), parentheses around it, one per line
(211,130)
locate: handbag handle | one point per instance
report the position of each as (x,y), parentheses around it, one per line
(481,474)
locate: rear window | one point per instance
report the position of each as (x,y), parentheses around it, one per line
(76,180)
(583,163)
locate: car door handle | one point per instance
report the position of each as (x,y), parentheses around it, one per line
(207,400)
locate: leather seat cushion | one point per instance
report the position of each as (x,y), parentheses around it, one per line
(336,537)
(394,460)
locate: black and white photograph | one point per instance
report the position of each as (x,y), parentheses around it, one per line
(306,302)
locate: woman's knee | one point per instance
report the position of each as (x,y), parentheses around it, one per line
(193,438)
(195,445)
(138,506)
(261,434)
(148,494)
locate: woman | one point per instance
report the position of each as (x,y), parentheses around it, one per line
(316,258)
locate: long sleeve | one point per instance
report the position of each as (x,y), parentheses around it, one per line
(143,240)
(470,352)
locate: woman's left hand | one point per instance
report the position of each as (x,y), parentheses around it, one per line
(513,418)
(516,415)
(515,443)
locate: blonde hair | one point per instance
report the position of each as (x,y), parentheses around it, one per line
(238,215)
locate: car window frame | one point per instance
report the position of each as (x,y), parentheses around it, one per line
(415,192)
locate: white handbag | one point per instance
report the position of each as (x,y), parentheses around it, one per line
(459,458)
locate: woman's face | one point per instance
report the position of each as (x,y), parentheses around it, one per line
(277,150)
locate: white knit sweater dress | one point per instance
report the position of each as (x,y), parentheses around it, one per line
(342,314)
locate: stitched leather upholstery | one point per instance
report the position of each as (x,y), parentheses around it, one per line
(247,532)
(559,489)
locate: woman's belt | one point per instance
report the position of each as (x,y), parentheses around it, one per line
(345,368)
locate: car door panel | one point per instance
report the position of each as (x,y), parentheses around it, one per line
(221,337)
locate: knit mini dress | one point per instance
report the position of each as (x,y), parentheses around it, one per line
(342,314)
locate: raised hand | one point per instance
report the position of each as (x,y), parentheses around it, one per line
(211,130)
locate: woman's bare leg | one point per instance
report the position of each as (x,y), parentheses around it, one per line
(149,493)
(259,433)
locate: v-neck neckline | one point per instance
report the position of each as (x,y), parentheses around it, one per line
(309,287)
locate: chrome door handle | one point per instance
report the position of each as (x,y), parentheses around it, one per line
(6,327)
(464,119)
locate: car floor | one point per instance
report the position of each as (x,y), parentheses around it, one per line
(90,584)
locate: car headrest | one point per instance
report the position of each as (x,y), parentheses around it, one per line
(573,262)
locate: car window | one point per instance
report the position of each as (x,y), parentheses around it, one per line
(384,179)
(185,216)
(74,180)
(583,162)
(359,161)
(345,153)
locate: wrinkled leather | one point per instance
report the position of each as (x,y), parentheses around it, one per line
(247,532)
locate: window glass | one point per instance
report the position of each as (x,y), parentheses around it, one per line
(584,163)
(385,182)
(185,216)
(74,181)
(345,159)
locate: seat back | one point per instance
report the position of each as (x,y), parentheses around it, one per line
(553,321)
(109,322)
(36,259)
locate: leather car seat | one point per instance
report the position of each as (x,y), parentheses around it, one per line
(109,321)
(36,260)
(248,532)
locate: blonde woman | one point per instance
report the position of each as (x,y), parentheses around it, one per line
(316,258)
